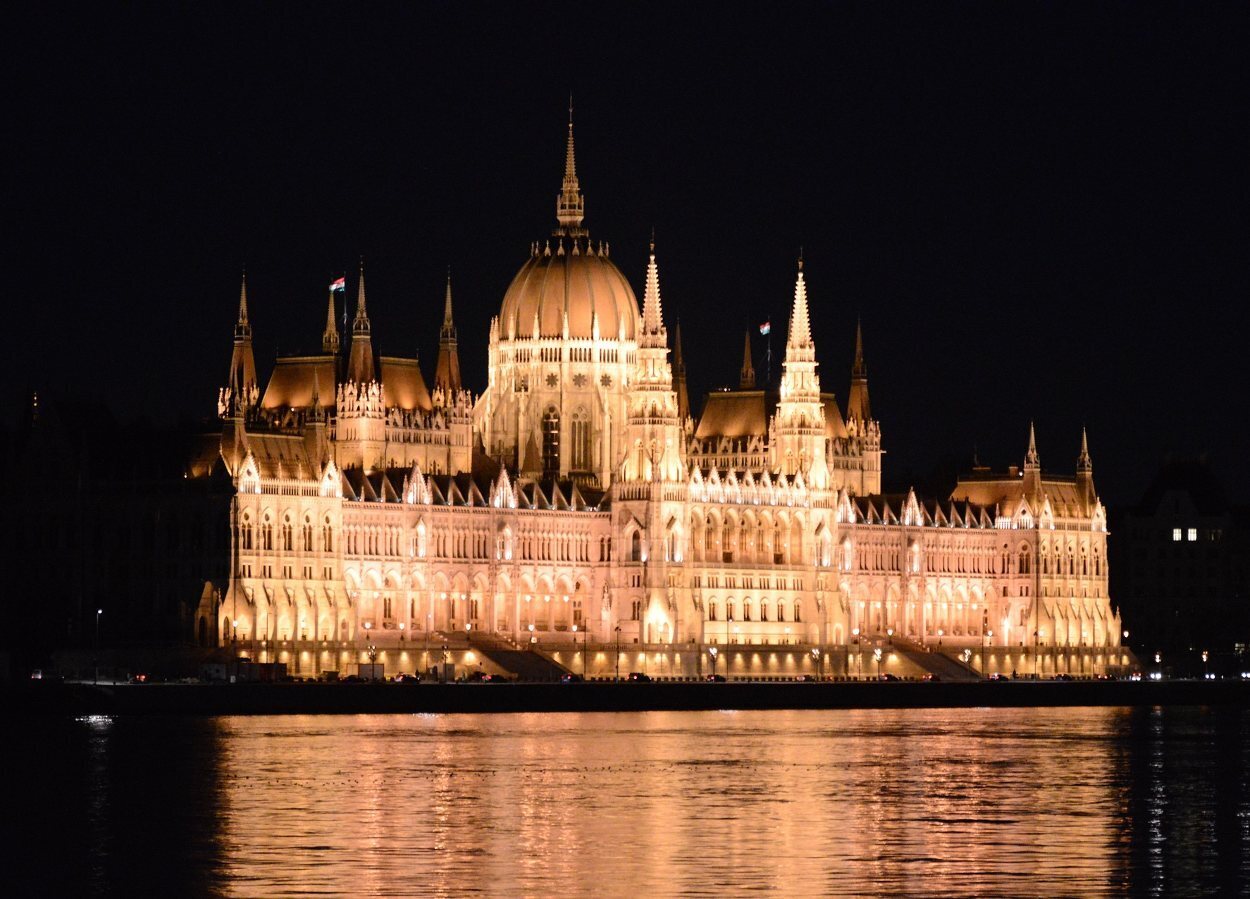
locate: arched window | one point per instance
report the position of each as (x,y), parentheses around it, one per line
(421,541)
(245,532)
(727,542)
(711,611)
(308,534)
(635,546)
(729,610)
(778,545)
(746,610)
(581,441)
(1024,560)
(266,534)
(763,610)
(287,537)
(781,610)
(551,441)
(327,536)
(798,610)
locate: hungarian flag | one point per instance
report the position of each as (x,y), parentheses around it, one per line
(340,284)
(764,328)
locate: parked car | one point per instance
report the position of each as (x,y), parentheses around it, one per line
(1063,677)
(932,678)
(410,679)
(887,676)
(715,678)
(637,677)
(805,678)
(997,676)
(571,678)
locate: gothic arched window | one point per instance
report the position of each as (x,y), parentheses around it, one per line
(581,441)
(551,441)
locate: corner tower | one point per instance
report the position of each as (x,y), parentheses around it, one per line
(797,441)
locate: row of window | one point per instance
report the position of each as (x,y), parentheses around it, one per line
(749,610)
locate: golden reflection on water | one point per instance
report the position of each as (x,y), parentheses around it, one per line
(973,801)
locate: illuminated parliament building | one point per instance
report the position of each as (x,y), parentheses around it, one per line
(579,509)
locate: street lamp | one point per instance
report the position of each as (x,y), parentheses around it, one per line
(1205,656)
(876,654)
(941,633)
(889,632)
(468,636)
(618,651)
(533,639)
(234,631)
(711,650)
(96,666)
(820,662)
(990,635)
(859,656)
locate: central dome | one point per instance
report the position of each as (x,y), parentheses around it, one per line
(582,284)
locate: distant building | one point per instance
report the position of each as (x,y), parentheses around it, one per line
(107,518)
(1182,563)
(577,498)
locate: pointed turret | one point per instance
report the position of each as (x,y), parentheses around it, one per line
(746,377)
(570,206)
(330,336)
(857,407)
(1032,467)
(241,390)
(1083,461)
(653,333)
(799,422)
(360,366)
(447,371)
(799,346)
(1085,475)
(679,376)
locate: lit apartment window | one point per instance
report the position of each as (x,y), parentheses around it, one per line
(1176,535)
(1192,535)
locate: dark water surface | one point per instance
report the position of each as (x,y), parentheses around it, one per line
(982,802)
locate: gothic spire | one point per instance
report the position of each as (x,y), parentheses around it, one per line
(1083,461)
(241,391)
(360,324)
(243,327)
(447,370)
(857,406)
(448,326)
(679,376)
(330,336)
(652,312)
(799,346)
(1031,458)
(858,368)
(746,377)
(570,206)
(360,364)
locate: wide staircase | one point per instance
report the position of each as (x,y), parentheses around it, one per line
(524,664)
(935,662)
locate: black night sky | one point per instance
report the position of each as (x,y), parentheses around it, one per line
(1039,210)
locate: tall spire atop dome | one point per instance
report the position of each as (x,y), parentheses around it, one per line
(653,333)
(570,206)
